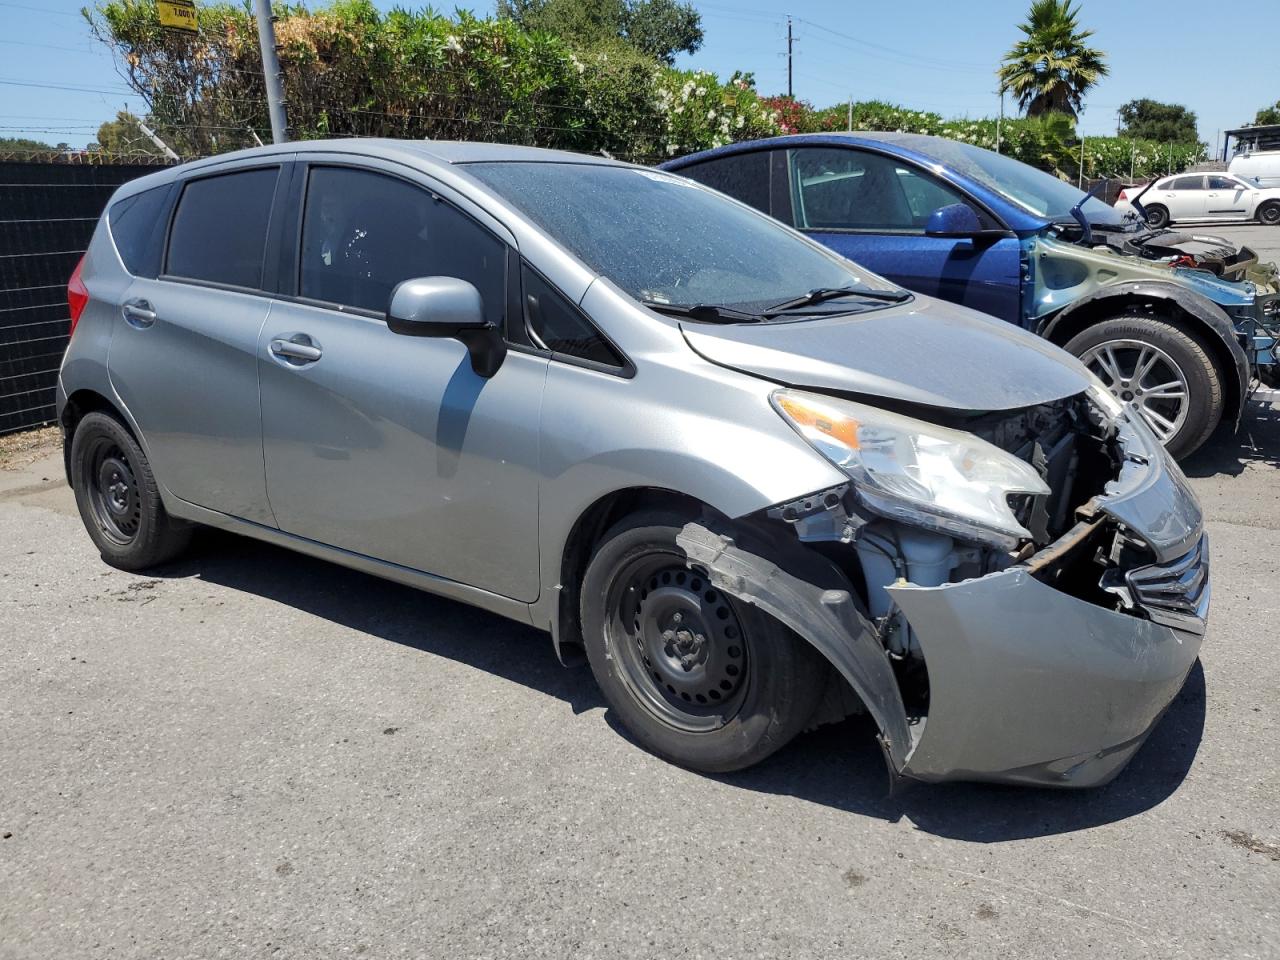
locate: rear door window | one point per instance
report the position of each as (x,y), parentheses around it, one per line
(137,226)
(219,230)
(743,176)
(364,232)
(1188,183)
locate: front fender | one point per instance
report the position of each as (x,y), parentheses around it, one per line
(1211,317)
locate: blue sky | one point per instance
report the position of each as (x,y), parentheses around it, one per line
(927,54)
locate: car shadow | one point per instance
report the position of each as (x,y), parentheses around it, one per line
(1229,450)
(838,766)
(842,767)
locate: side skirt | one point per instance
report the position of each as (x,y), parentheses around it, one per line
(503,606)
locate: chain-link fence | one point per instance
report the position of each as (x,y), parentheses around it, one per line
(48,208)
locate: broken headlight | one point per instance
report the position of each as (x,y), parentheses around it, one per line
(914,471)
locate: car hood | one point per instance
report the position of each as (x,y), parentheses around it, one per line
(923,352)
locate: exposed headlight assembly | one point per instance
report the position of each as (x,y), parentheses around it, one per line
(917,472)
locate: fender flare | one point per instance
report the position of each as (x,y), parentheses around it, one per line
(1196,305)
(808,594)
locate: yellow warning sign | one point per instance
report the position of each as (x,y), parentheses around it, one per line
(178,14)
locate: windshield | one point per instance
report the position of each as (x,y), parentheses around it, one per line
(666,240)
(1034,190)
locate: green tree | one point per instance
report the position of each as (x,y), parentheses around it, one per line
(1269,114)
(657,28)
(26,145)
(1052,67)
(662,28)
(1152,120)
(123,136)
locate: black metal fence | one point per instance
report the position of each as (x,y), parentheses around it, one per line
(47,214)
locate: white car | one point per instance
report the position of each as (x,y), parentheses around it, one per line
(1204,196)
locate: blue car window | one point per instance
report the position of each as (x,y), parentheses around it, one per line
(836,188)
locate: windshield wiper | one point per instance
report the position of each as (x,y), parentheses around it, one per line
(703,312)
(823,294)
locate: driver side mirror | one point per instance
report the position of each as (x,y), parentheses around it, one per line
(450,308)
(954,220)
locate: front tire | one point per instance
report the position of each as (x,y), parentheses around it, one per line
(1269,213)
(1157,216)
(119,499)
(1161,370)
(697,677)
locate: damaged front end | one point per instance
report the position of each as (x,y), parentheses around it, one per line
(1043,658)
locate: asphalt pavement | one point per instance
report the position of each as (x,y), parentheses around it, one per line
(254,754)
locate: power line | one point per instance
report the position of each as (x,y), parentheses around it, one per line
(61,86)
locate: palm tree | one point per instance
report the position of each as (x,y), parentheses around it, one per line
(1052,68)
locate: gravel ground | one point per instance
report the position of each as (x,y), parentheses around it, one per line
(254,754)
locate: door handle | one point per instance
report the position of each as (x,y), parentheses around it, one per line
(138,313)
(298,347)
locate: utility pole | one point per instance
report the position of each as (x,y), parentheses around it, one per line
(155,138)
(790,93)
(851,113)
(271,70)
(1000,118)
(1080,176)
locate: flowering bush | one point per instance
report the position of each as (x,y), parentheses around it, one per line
(351,70)
(699,112)
(1048,142)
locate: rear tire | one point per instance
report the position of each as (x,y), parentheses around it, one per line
(1269,213)
(697,677)
(1115,350)
(119,499)
(1157,216)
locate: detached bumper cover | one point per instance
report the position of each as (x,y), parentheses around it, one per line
(1030,685)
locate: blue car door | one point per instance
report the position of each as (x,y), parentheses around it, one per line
(873,209)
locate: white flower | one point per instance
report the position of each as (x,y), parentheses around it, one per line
(740,121)
(672,148)
(680,109)
(711,114)
(700,91)
(451,43)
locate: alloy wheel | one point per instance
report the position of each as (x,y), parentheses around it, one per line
(1145,378)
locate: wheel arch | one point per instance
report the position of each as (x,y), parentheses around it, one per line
(78,405)
(585,533)
(1162,299)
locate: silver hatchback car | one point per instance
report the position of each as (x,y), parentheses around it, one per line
(760,488)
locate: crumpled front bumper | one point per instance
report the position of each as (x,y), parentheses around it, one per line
(1030,684)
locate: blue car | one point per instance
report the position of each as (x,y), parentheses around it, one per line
(1178,327)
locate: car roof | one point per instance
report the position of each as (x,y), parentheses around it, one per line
(421,154)
(438,151)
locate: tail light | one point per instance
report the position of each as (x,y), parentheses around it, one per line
(1124,195)
(77,296)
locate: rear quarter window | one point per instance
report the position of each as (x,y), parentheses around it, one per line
(219,231)
(137,226)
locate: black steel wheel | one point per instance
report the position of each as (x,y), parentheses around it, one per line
(113,490)
(679,642)
(1157,216)
(696,676)
(1269,213)
(118,498)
